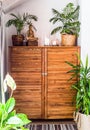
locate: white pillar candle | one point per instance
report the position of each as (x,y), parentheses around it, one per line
(46,41)
(54,43)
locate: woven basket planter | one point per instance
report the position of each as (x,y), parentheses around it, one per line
(68,40)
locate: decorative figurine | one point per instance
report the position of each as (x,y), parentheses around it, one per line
(32,40)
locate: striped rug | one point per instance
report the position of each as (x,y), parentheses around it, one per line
(52,126)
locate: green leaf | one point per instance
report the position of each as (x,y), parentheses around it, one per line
(11,114)
(86,63)
(7,127)
(10,104)
(24,118)
(75,87)
(55,12)
(56,30)
(14,16)
(1,111)
(71,64)
(15,120)
(4,114)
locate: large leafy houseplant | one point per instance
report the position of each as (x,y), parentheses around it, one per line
(67,20)
(82,87)
(19,21)
(9,119)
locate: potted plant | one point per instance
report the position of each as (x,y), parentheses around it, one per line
(9,119)
(69,25)
(19,22)
(82,87)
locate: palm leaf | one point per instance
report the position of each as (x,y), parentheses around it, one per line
(72,65)
(55,12)
(33,17)
(75,87)
(56,30)
(14,16)
(86,63)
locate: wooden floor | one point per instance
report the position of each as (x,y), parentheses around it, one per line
(52,125)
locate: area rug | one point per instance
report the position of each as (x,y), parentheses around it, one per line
(52,126)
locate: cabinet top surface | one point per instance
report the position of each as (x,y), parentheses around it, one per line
(44,46)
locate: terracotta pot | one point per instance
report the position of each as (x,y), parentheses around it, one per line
(17,40)
(83,121)
(68,40)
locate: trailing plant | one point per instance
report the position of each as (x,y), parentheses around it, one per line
(20,21)
(9,119)
(67,20)
(82,86)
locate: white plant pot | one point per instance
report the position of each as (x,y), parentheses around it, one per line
(83,121)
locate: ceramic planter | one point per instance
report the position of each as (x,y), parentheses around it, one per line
(83,121)
(17,40)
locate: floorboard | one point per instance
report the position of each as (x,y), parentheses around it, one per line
(52,125)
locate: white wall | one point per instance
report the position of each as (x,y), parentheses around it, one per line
(10,4)
(42,9)
(85,29)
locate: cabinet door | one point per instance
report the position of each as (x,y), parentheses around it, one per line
(59,94)
(25,67)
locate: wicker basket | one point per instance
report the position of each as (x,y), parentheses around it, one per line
(68,40)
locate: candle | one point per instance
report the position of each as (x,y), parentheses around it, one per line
(46,41)
(54,43)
